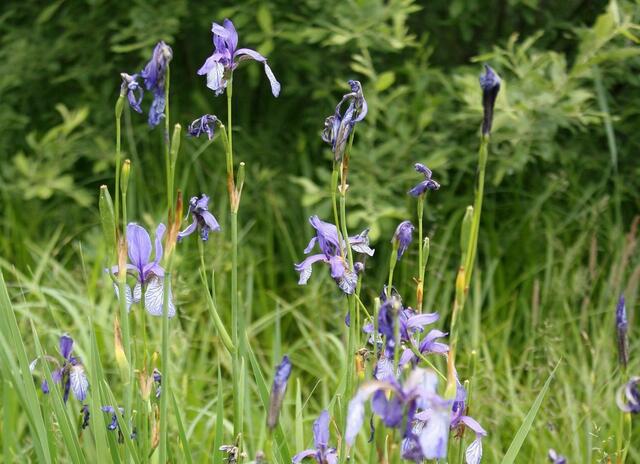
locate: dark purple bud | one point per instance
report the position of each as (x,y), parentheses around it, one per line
(358,266)
(402,237)
(157,378)
(279,388)
(203,125)
(621,330)
(490,84)
(154,76)
(85,416)
(133,89)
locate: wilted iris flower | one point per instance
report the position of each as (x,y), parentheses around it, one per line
(154,75)
(556,458)
(226,56)
(338,126)
(490,85)
(323,454)
(427,184)
(203,125)
(133,90)
(403,237)
(85,416)
(69,373)
(279,388)
(621,331)
(202,218)
(334,253)
(148,273)
(628,397)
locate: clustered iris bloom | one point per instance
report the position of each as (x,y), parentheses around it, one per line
(339,126)
(279,388)
(490,85)
(414,406)
(322,453)
(427,184)
(154,77)
(149,274)
(333,252)
(114,425)
(202,218)
(203,125)
(69,373)
(226,56)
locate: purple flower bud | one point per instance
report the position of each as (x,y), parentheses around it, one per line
(358,266)
(621,330)
(427,184)
(403,236)
(279,388)
(203,125)
(490,84)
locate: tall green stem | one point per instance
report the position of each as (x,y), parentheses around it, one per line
(421,264)
(464,273)
(119,108)
(167,144)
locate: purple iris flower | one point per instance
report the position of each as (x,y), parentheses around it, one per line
(628,398)
(556,458)
(403,237)
(333,251)
(226,56)
(398,405)
(427,184)
(459,420)
(322,453)
(133,89)
(69,373)
(279,388)
(490,85)
(203,125)
(148,273)
(622,327)
(338,126)
(202,218)
(428,345)
(154,75)
(411,323)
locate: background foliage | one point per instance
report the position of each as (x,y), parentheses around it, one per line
(558,238)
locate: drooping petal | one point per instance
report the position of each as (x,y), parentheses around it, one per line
(191,228)
(473,425)
(127,294)
(79,382)
(360,243)
(420,320)
(247,53)
(210,221)
(215,78)
(66,346)
(154,297)
(304,268)
(310,453)
(210,63)
(433,437)
(138,246)
(355,412)
(473,454)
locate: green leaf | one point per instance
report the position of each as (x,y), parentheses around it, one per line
(523,431)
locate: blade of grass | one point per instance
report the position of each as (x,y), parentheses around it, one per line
(523,431)
(186,451)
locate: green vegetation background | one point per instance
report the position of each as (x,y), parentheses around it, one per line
(558,235)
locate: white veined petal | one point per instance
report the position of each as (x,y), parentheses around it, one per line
(215,78)
(79,382)
(153,298)
(305,273)
(127,294)
(137,293)
(473,455)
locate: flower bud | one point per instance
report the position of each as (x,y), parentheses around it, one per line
(279,388)
(107,217)
(125,173)
(465,231)
(621,331)
(402,237)
(490,84)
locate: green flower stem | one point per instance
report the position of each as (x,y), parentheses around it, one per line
(464,272)
(393,260)
(119,108)
(164,350)
(421,264)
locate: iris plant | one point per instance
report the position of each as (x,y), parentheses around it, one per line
(322,453)
(203,220)
(339,126)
